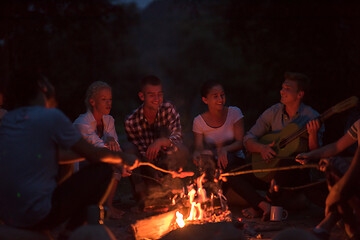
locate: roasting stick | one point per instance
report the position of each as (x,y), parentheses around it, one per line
(173,173)
(269,170)
(250,164)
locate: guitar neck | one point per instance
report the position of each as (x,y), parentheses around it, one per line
(328,113)
(340,107)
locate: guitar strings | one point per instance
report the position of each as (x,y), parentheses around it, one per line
(302,130)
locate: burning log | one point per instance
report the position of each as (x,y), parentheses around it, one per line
(154,227)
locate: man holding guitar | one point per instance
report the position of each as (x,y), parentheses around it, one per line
(278,116)
(291,109)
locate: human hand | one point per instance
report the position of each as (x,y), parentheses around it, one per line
(313,127)
(323,164)
(126,171)
(222,158)
(196,157)
(153,149)
(302,158)
(267,153)
(112,144)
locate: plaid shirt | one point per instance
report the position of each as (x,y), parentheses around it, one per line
(142,134)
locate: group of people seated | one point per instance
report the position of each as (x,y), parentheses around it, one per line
(36,139)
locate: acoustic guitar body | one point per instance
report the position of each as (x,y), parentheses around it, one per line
(300,144)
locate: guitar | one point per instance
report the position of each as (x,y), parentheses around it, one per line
(292,139)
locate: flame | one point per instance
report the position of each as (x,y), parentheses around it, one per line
(196,213)
(179,219)
(200,209)
(196,198)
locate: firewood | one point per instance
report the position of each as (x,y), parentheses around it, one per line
(154,227)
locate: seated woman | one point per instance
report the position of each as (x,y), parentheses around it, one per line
(222,130)
(97,127)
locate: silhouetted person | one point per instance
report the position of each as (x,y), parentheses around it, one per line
(34,141)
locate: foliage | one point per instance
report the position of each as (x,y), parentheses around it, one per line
(73,42)
(247,45)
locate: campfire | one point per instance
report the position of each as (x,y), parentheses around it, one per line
(200,202)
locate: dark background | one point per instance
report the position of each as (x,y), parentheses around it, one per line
(245,44)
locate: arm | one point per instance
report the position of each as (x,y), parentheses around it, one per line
(239,136)
(261,127)
(199,146)
(329,150)
(265,150)
(341,191)
(235,146)
(111,138)
(174,138)
(313,127)
(68,157)
(175,127)
(94,154)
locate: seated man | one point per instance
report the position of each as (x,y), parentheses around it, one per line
(291,109)
(155,130)
(31,136)
(343,181)
(98,128)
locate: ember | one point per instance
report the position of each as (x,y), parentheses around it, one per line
(199,203)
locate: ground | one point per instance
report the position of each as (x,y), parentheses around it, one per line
(305,219)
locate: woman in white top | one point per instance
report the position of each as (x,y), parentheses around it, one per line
(221,130)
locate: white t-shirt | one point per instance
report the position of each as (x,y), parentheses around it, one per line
(219,135)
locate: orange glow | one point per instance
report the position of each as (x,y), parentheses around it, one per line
(179,219)
(196,213)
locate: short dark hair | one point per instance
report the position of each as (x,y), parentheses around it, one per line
(149,80)
(207,86)
(23,87)
(302,80)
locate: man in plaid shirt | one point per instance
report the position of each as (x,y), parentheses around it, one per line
(155,129)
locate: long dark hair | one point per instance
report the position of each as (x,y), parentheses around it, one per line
(207,86)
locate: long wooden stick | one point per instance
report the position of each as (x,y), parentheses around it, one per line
(249,164)
(269,170)
(155,167)
(173,173)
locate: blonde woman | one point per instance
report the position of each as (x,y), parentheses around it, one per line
(98,128)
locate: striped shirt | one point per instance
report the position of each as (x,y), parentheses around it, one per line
(166,124)
(354,131)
